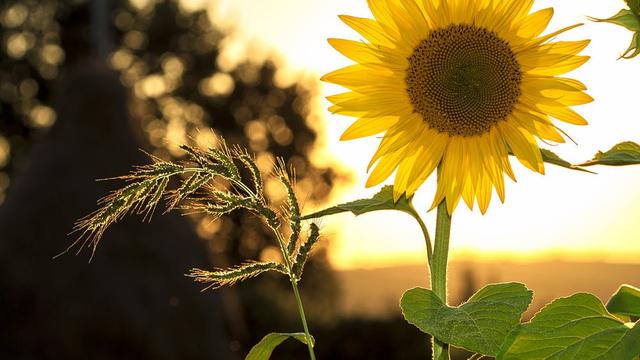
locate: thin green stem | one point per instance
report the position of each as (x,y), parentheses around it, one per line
(283,249)
(425,232)
(439,269)
(294,285)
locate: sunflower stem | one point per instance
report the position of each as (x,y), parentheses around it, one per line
(439,269)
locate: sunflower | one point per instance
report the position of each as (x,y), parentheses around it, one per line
(457,86)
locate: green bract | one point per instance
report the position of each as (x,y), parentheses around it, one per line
(630,19)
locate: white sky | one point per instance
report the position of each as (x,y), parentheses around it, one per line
(564,214)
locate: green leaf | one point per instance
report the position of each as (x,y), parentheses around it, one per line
(263,349)
(551,158)
(624,18)
(629,19)
(480,325)
(626,153)
(576,327)
(626,301)
(383,200)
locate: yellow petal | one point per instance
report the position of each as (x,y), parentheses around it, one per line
(431,155)
(432,13)
(404,172)
(405,131)
(563,113)
(356,76)
(368,127)
(382,14)
(451,178)
(549,132)
(357,51)
(387,164)
(523,145)
(371,30)
(533,25)
(484,191)
(572,82)
(561,67)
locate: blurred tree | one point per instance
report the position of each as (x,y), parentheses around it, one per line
(30,61)
(170,60)
(132,301)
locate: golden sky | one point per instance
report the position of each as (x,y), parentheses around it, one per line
(564,214)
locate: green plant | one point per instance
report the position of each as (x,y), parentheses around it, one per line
(211,183)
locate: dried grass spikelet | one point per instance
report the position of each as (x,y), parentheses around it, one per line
(209,182)
(305,250)
(231,276)
(292,211)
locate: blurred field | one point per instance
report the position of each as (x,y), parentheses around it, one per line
(376,292)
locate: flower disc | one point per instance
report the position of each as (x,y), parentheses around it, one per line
(463,80)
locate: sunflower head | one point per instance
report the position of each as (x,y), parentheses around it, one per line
(457,86)
(462,80)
